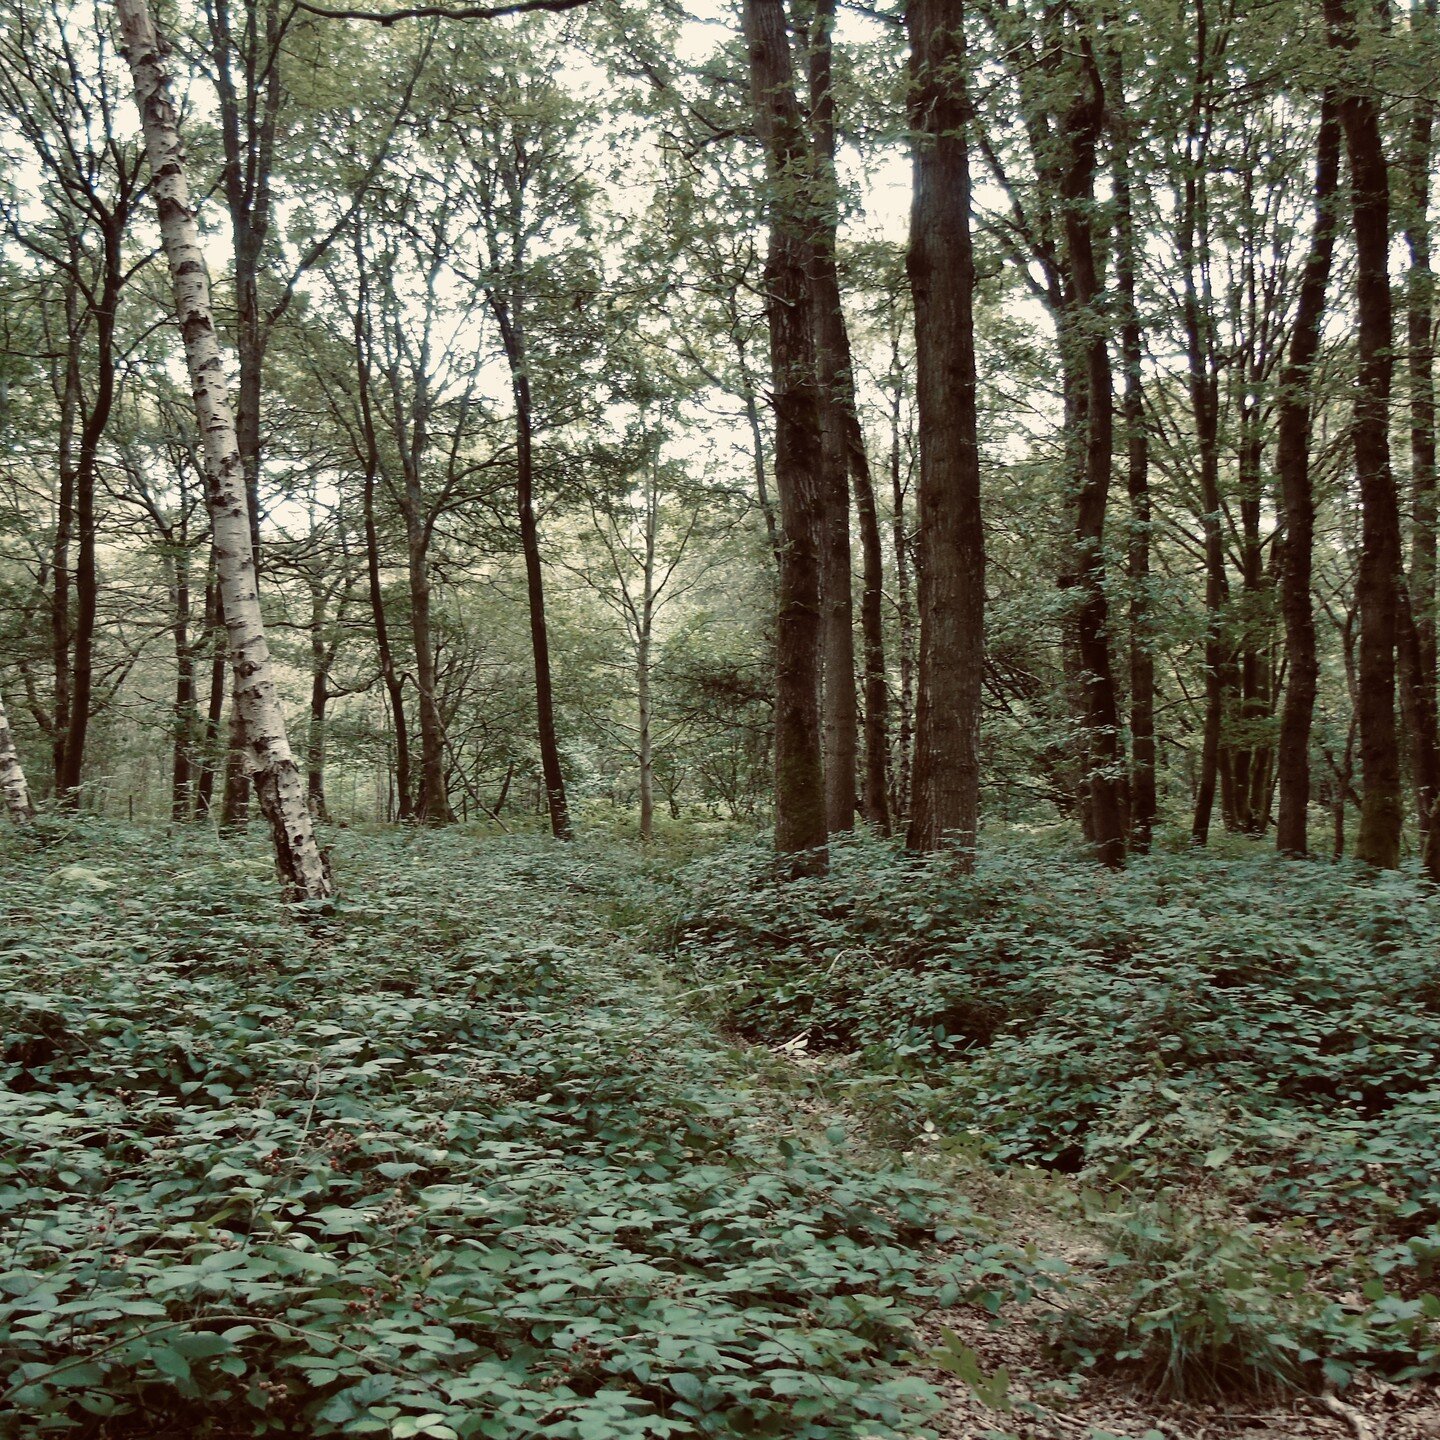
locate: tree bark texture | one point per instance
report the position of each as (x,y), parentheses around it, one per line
(12,777)
(1292,465)
(832,356)
(279,785)
(1377,586)
(1084,122)
(800,817)
(514,337)
(950,562)
(1137,475)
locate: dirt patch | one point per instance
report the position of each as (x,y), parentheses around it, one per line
(1048,1403)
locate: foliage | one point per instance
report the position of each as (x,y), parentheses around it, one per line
(436,1161)
(1241,1051)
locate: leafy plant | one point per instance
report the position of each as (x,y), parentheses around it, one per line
(443,1162)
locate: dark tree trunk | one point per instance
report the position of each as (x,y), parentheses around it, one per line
(434,807)
(1205,407)
(874,799)
(389,674)
(322,659)
(554,776)
(905,614)
(1292,465)
(215,706)
(839,715)
(1420,364)
(1382,810)
(800,819)
(235,810)
(87,588)
(945,802)
(315,749)
(1417,703)
(1084,123)
(60,555)
(1249,755)
(181,768)
(757,450)
(837,410)
(1137,475)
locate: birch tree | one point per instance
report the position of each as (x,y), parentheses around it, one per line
(12,777)
(279,784)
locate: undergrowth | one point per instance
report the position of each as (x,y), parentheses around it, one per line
(440,1160)
(1239,1060)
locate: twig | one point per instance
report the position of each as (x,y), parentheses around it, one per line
(1348,1413)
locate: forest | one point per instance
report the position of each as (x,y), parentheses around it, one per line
(720,718)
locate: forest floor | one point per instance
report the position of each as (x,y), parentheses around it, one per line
(469,1153)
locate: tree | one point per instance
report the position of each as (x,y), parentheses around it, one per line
(950,539)
(800,814)
(843,443)
(527,185)
(1292,463)
(59,90)
(12,777)
(1137,457)
(279,786)
(1382,813)
(644,532)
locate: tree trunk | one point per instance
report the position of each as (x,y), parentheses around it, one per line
(905,613)
(1382,808)
(61,577)
(215,707)
(1205,407)
(389,675)
(322,657)
(434,807)
(757,451)
(80,637)
(1292,465)
(800,819)
(1417,703)
(12,777)
(837,380)
(235,803)
(181,769)
(945,800)
(644,631)
(832,356)
(646,760)
(1249,755)
(1106,759)
(1137,474)
(278,783)
(513,335)
(1420,360)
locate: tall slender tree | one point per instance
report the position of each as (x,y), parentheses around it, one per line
(1292,463)
(837,382)
(839,716)
(279,784)
(1122,128)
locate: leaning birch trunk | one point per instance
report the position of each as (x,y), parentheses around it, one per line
(12,777)
(279,784)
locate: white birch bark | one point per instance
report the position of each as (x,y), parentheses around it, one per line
(279,783)
(12,777)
